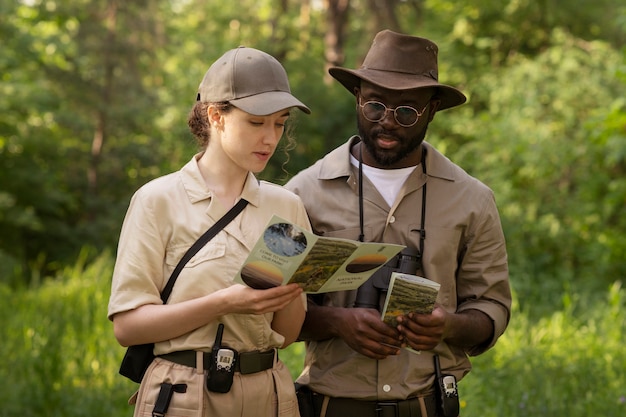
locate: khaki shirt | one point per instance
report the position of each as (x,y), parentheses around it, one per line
(464,251)
(164,219)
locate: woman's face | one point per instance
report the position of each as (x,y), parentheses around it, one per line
(250,141)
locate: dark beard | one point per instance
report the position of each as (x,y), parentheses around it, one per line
(384,157)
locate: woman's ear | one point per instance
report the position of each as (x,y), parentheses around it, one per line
(215,116)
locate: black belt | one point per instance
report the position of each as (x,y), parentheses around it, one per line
(246,363)
(345,407)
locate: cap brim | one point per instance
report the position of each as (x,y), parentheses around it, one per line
(268,103)
(350,79)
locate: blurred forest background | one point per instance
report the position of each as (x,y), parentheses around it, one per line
(94,97)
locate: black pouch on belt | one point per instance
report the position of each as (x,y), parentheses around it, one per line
(222,366)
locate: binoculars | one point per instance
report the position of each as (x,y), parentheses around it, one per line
(372,293)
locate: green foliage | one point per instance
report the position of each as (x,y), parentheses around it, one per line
(490,32)
(567,364)
(59,354)
(69,85)
(293,358)
(550,142)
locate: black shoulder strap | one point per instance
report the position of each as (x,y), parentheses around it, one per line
(202,240)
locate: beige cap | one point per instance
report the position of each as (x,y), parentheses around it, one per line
(251,80)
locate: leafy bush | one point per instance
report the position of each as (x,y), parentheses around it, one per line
(567,364)
(59,354)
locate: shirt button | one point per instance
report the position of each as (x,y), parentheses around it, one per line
(392,219)
(386,388)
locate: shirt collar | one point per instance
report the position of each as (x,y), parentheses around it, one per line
(197,190)
(336,163)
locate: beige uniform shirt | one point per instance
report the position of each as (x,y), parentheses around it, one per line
(164,219)
(464,251)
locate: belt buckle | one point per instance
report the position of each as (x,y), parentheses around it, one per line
(387,409)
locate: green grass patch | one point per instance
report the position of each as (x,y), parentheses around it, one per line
(563,365)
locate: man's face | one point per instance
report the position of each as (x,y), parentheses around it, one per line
(387,141)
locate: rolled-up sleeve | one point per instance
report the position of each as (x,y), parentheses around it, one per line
(138,272)
(483,276)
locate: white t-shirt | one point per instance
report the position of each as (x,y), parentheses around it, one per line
(388,182)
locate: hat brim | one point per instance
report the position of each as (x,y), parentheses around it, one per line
(268,102)
(351,79)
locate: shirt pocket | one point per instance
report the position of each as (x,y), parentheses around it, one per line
(215,249)
(440,260)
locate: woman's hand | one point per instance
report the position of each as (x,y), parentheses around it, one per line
(284,301)
(241,299)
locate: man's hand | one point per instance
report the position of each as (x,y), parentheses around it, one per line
(423,331)
(364,331)
(467,329)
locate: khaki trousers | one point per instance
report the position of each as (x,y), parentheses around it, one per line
(268,393)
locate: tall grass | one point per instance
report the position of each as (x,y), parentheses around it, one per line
(568,364)
(59,356)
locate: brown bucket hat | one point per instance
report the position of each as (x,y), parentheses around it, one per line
(400,62)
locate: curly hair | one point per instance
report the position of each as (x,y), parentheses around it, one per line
(198,121)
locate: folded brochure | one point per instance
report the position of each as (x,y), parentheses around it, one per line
(286,253)
(408,293)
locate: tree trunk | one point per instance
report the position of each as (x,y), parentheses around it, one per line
(100,133)
(384,12)
(334,40)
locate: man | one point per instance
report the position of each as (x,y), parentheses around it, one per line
(388,185)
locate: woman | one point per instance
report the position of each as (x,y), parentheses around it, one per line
(243,104)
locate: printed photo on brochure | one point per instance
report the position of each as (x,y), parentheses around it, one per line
(286,253)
